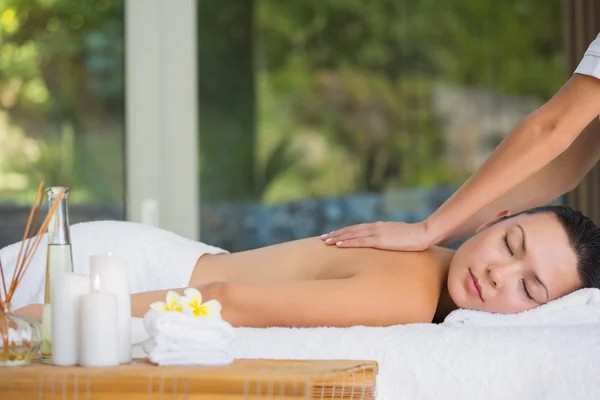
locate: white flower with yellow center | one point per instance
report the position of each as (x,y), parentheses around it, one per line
(192,305)
(174,303)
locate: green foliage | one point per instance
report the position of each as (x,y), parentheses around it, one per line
(360,76)
(472,42)
(61,85)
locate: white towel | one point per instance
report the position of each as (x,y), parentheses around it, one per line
(158,259)
(179,339)
(174,352)
(210,357)
(175,345)
(431,362)
(186,327)
(579,307)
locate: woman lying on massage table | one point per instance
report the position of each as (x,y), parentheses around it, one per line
(513,264)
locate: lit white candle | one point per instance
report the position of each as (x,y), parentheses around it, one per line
(66,290)
(114,275)
(98,328)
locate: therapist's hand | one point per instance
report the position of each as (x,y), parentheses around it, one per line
(398,236)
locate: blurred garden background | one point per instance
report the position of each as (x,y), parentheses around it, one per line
(311,113)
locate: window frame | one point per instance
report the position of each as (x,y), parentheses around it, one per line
(161,127)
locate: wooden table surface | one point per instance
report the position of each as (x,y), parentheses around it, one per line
(244,379)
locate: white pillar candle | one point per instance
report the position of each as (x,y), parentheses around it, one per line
(64,304)
(114,275)
(98,328)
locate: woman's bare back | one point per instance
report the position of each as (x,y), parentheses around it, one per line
(387,279)
(309,259)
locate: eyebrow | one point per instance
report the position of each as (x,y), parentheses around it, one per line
(537,278)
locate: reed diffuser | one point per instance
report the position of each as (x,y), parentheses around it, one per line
(21,336)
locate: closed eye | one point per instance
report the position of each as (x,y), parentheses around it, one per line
(525,289)
(505,237)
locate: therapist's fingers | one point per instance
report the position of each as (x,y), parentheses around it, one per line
(353,230)
(383,235)
(343,231)
(364,241)
(335,239)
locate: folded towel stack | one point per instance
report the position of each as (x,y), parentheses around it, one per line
(180,339)
(579,307)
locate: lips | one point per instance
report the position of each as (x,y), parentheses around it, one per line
(473,285)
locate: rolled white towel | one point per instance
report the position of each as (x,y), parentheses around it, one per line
(177,323)
(192,338)
(179,339)
(579,307)
(174,346)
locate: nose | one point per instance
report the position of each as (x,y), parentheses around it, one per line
(499,274)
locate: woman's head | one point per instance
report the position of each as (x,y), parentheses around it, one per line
(518,262)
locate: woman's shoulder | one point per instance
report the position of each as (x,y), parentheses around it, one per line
(413,283)
(432,263)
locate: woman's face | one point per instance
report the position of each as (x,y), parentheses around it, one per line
(514,265)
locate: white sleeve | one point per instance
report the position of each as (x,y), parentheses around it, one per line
(590,64)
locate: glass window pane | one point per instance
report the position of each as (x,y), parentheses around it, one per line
(61,108)
(320,114)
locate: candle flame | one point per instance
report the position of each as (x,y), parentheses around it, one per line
(97,284)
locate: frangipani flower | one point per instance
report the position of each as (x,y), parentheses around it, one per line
(174,303)
(192,305)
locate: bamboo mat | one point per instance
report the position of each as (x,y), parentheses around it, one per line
(244,379)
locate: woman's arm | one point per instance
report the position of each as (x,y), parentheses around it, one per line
(140,303)
(371,300)
(360,300)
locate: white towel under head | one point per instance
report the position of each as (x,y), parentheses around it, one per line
(180,339)
(579,307)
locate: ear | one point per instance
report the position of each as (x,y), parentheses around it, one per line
(499,217)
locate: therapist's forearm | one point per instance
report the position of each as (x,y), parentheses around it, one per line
(554,180)
(527,195)
(533,145)
(514,161)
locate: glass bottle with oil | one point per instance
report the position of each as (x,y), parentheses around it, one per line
(59,260)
